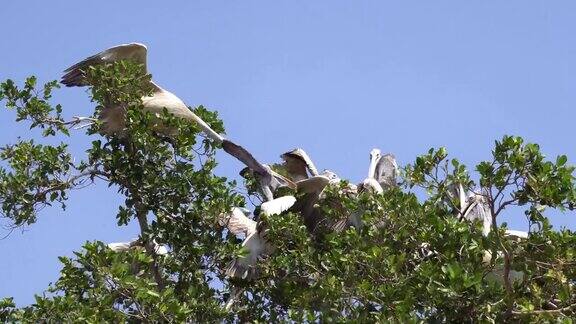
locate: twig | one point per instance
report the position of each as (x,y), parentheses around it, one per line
(545,311)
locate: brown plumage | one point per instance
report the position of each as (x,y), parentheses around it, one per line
(113,116)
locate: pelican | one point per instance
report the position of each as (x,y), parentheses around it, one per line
(314,191)
(474,206)
(370,183)
(113,116)
(383,168)
(238,223)
(298,164)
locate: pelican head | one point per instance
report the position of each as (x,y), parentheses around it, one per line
(375,155)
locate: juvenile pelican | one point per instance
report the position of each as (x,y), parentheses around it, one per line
(314,191)
(238,223)
(474,206)
(386,170)
(298,164)
(113,116)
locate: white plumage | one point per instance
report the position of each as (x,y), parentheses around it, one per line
(256,245)
(277,206)
(125,246)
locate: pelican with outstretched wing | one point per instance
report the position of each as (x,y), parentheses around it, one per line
(112,116)
(238,223)
(298,164)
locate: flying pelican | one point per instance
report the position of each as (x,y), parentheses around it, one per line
(298,164)
(112,116)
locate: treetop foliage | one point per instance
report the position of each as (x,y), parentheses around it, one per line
(400,258)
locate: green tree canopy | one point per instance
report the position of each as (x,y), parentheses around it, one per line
(411,259)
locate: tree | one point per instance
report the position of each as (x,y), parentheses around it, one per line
(411,260)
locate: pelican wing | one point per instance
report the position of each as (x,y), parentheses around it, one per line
(246,157)
(386,171)
(372,185)
(244,267)
(517,234)
(161,99)
(267,176)
(277,206)
(160,249)
(75,76)
(120,246)
(313,184)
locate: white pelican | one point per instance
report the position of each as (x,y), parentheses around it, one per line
(112,116)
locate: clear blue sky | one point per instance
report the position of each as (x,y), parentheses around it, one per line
(336,78)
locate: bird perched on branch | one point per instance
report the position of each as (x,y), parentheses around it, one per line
(238,223)
(297,163)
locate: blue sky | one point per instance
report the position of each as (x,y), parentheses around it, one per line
(336,78)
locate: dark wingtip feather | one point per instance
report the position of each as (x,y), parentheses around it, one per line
(75,75)
(245,157)
(75,78)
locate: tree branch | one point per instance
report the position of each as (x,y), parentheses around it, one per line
(545,311)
